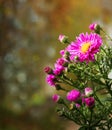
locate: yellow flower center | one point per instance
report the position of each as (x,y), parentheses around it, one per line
(85,47)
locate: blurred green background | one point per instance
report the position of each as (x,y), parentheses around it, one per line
(29,31)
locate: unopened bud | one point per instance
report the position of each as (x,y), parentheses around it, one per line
(90,102)
(62,62)
(71,106)
(48,70)
(63,39)
(95,27)
(55,98)
(76,58)
(88,91)
(77,105)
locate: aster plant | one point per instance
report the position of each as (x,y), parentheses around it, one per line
(84,73)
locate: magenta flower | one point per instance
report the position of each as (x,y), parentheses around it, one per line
(65,54)
(62,38)
(51,80)
(93,26)
(55,98)
(58,70)
(73,95)
(62,52)
(59,66)
(85,47)
(90,101)
(77,105)
(48,70)
(88,91)
(61,62)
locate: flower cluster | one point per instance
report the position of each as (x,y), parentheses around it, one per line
(59,68)
(86,98)
(85,61)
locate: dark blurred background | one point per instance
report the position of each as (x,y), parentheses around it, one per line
(29,31)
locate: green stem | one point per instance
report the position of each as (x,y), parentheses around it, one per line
(90,119)
(68,81)
(98,99)
(106,34)
(65,81)
(82,115)
(97,96)
(64,89)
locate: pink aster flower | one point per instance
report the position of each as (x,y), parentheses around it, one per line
(61,62)
(51,80)
(85,47)
(55,98)
(58,70)
(88,91)
(90,101)
(60,65)
(73,95)
(92,26)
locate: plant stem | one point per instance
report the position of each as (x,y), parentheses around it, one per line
(106,34)
(66,82)
(98,99)
(90,119)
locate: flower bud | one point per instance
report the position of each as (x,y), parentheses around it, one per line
(95,27)
(51,80)
(55,98)
(62,52)
(59,70)
(76,58)
(48,70)
(77,105)
(62,62)
(63,39)
(90,102)
(73,95)
(71,106)
(88,91)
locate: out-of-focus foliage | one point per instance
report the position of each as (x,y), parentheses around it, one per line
(28,33)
